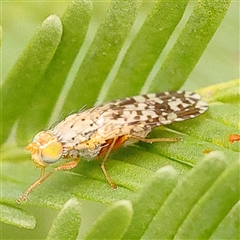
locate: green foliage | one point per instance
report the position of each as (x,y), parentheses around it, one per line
(66,225)
(170,202)
(17,217)
(113,223)
(27,69)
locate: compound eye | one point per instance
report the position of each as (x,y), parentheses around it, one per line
(52,152)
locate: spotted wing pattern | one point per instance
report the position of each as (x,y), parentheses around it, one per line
(135,116)
(158,108)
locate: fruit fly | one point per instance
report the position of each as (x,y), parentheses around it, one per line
(97,131)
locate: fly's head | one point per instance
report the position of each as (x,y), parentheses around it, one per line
(45,149)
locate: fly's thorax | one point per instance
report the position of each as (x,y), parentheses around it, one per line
(79,135)
(78,127)
(82,147)
(45,149)
(89,150)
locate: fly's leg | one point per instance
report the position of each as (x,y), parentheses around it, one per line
(118,141)
(34,185)
(104,160)
(152,140)
(68,166)
(65,166)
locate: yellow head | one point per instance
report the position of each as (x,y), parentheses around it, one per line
(45,149)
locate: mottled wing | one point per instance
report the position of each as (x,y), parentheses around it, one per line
(155,109)
(131,116)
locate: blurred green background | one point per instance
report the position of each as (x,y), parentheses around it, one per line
(219,63)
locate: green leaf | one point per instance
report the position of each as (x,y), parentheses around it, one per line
(17,217)
(224,92)
(102,53)
(229,228)
(213,206)
(148,200)
(116,51)
(183,198)
(205,199)
(1,36)
(113,223)
(28,71)
(67,223)
(143,52)
(193,40)
(75,23)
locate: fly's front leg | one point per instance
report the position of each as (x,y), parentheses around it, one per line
(65,166)
(34,185)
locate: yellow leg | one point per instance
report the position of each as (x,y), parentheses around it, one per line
(68,166)
(103,164)
(34,185)
(111,146)
(152,140)
(65,166)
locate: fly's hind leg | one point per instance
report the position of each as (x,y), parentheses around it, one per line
(152,140)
